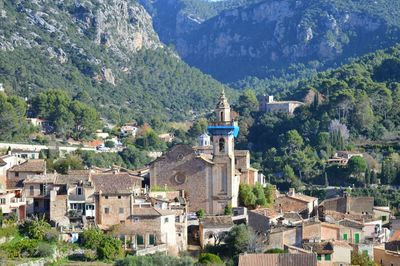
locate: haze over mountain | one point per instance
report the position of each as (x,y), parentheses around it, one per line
(265,38)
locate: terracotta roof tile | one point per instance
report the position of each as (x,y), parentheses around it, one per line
(119,183)
(267,212)
(38,166)
(216,221)
(277,260)
(151,212)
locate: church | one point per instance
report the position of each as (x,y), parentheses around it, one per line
(211,172)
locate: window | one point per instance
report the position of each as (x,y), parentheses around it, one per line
(327,257)
(31,190)
(357,238)
(119,197)
(2,201)
(152,239)
(365,252)
(383,218)
(106,197)
(135,219)
(344,236)
(221,115)
(36,203)
(166,220)
(79,191)
(221,145)
(139,239)
(318,257)
(16,174)
(106,210)
(121,210)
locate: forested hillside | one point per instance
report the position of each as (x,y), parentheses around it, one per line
(107,49)
(355,107)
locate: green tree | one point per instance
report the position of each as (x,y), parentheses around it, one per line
(269,192)
(110,248)
(210,259)
(246,196)
(71,162)
(293,141)
(363,113)
(288,173)
(247,103)
(361,259)
(238,239)
(357,165)
(258,191)
(109,144)
(91,238)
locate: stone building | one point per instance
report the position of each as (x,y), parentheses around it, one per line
(208,174)
(29,167)
(269,105)
(150,230)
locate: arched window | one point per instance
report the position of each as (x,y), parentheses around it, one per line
(221,116)
(221,145)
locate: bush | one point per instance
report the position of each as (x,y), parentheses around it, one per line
(275,251)
(8,231)
(109,144)
(21,248)
(156,259)
(210,259)
(228,209)
(110,248)
(44,250)
(200,213)
(52,235)
(91,238)
(35,228)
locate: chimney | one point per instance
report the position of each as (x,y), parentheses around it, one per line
(270,99)
(292,192)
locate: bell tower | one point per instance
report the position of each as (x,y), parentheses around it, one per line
(223,109)
(225,185)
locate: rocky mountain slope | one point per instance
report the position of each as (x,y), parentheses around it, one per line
(261,38)
(106,49)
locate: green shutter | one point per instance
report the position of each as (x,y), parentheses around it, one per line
(344,236)
(318,257)
(327,257)
(357,238)
(365,252)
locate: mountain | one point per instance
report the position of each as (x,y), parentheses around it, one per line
(105,51)
(265,38)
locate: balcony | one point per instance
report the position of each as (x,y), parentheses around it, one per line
(151,250)
(16,202)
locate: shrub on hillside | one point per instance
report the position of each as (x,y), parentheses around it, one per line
(110,248)
(210,259)
(91,238)
(44,249)
(35,228)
